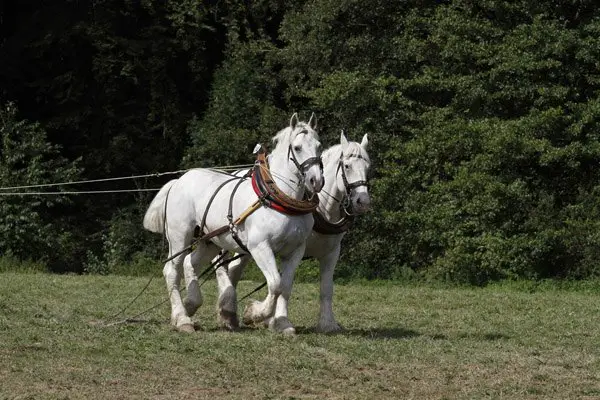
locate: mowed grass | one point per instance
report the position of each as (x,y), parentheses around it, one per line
(401,342)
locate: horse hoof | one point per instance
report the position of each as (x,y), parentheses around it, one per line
(229,321)
(289,332)
(282,325)
(249,318)
(248,321)
(332,328)
(186,328)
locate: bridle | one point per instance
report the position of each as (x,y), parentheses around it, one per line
(346,204)
(345,223)
(306,164)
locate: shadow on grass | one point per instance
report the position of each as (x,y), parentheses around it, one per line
(241,330)
(374,333)
(478,336)
(384,333)
(488,336)
(107,323)
(403,333)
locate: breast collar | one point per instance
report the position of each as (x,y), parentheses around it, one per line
(271,196)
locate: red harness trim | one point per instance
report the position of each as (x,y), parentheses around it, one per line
(268,201)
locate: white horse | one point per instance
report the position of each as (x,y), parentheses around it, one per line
(344,195)
(203,197)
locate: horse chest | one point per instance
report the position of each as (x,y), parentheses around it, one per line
(285,236)
(296,232)
(319,245)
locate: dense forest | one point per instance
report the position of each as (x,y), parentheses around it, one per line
(483,120)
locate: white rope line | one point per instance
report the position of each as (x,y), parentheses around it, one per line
(89,181)
(157,174)
(232,167)
(78,192)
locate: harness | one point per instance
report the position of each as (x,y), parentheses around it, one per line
(325,227)
(269,195)
(232,224)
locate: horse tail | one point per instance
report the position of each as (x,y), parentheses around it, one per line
(154,220)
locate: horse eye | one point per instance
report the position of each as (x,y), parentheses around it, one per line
(347,166)
(297,148)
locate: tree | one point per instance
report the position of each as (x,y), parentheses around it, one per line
(32,226)
(246,105)
(475,110)
(114,83)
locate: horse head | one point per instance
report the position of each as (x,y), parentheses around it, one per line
(301,143)
(352,170)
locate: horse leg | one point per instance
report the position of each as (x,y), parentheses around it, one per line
(327,322)
(227,302)
(191,264)
(265,259)
(193,298)
(280,321)
(236,268)
(172,275)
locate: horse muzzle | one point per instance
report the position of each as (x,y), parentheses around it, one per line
(361,203)
(314,179)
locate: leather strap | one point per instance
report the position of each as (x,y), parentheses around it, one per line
(327,228)
(271,196)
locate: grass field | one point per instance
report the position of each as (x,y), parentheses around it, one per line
(401,342)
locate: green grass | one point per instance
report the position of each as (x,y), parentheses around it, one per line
(401,342)
(11,264)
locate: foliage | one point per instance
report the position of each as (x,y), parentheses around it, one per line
(127,249)
(30,225)
(12,264)
(486,146)
(482,118)
(114,83)
(242,112)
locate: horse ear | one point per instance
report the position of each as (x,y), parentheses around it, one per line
(312,122)
(294,121)
(365,142)
(343,140)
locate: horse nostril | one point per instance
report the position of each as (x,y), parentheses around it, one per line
(363,201)
(312,182)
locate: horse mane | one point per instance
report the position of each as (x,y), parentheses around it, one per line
(333,153)
(285,137)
